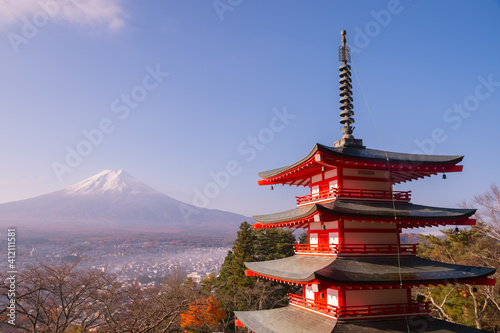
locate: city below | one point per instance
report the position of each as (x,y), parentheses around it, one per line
(135,260)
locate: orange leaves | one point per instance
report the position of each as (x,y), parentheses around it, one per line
(202,313)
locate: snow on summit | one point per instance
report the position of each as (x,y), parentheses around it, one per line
(109,182)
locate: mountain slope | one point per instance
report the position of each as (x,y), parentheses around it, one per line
(113,199)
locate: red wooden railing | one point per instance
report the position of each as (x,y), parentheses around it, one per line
(383,195)
(372,249)
(298,300)
(413,307)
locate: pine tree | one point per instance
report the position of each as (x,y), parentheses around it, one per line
(232,273)
(208,284)
(274,244)
(240,292)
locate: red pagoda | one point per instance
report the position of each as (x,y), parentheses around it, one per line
(355,273)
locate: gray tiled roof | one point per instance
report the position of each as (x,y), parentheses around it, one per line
(380,155)
(370,155)
(295,268)
(285,320)
(366,270)
(292,320)
(288,215)
(368,210)
(411,324)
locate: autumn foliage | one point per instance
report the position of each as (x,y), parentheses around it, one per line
(203,314)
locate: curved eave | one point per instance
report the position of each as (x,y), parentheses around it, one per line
(375,155)
(285,320)
(291,269)
(404,167)
(278,171)
(293,218)
(367,270)
(408,270)
(406,214)
(413,324)
(388,210)
(290,319)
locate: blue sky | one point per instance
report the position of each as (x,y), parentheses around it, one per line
(178,93)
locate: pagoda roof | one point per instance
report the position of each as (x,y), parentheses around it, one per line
(411,324)
(366,270)
(404,166)
(294,268)
(408,214)
(285,320)
(291,319)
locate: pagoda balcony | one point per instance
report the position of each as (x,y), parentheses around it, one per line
(353,194)
(357,249)
(360,311)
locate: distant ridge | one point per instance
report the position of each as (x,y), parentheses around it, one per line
(113,199)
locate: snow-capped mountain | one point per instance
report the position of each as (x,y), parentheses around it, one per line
(113,199)
(111,182)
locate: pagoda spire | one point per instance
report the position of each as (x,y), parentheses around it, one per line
(346,107)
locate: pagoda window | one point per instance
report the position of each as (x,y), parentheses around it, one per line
(308,292)
(313,239)
(315,190)
(333,238)
(332,297)
(333,184)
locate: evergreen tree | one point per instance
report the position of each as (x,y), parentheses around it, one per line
(240,292)
(232,273)
(274,243)
(208,284)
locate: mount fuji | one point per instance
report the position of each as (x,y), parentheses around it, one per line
(114,200)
